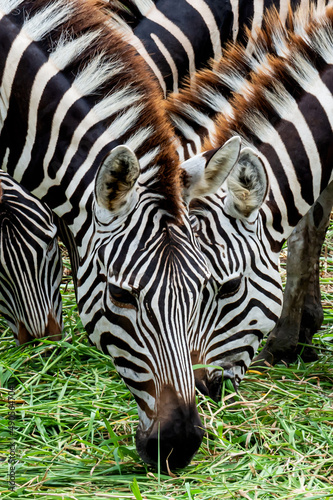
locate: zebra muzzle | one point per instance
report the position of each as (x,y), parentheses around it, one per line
(175,435)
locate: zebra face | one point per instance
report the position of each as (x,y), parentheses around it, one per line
(147,301)
(242,300)
(30,264)
(144,302)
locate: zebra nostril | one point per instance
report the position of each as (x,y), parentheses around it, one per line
(172,443)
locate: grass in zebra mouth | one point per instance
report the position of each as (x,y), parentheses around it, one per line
(75,424)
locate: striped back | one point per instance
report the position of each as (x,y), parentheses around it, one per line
(174,37)
(177,37)
(30,264)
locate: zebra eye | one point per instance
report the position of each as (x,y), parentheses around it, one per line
(229,288)
(121,297)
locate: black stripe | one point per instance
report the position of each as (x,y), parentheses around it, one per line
(242,315)
(246,12)
(8,33)
(294,145)
(237,336)
(265,292)
(318,122)
(292,212)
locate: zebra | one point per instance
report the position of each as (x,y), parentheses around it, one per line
(163,38)
(94,144)
(30,265)
(281,106)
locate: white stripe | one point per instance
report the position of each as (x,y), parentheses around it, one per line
(256,23)
(186,130)
(235,11)
(304,4)
(284,9)
(68,50)
(144,6)
(135,141)
(208,17)
(288,109)
(5,160)
(257,16)
(46,72)
(287,165)
(15,53)
(309,79)
(47,19)
(145,160)
(141,49)
(214,100)
(8,5)
(168,57)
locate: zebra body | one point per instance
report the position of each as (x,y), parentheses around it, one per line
(178,37)
(282,107)
(30,264)
(175,37)
(96,147)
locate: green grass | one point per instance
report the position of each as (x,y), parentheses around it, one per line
(75,425)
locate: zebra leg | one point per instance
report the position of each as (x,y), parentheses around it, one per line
(312,314)
(302,313)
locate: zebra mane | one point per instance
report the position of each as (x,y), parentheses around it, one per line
(245,92)
(77,37)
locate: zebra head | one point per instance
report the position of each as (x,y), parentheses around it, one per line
(242,300)
(30,264)
(151,276)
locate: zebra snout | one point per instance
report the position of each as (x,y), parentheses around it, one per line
(175,435)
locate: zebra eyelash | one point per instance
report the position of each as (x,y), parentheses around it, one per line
(122,298)
(230,288)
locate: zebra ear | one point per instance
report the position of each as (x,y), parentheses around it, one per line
(205,173)
(247,185)
(116,178)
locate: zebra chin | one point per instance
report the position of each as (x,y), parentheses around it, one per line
(175,435)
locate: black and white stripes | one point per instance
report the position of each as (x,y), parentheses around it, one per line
(281,106)
(178,37)
(30,264)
